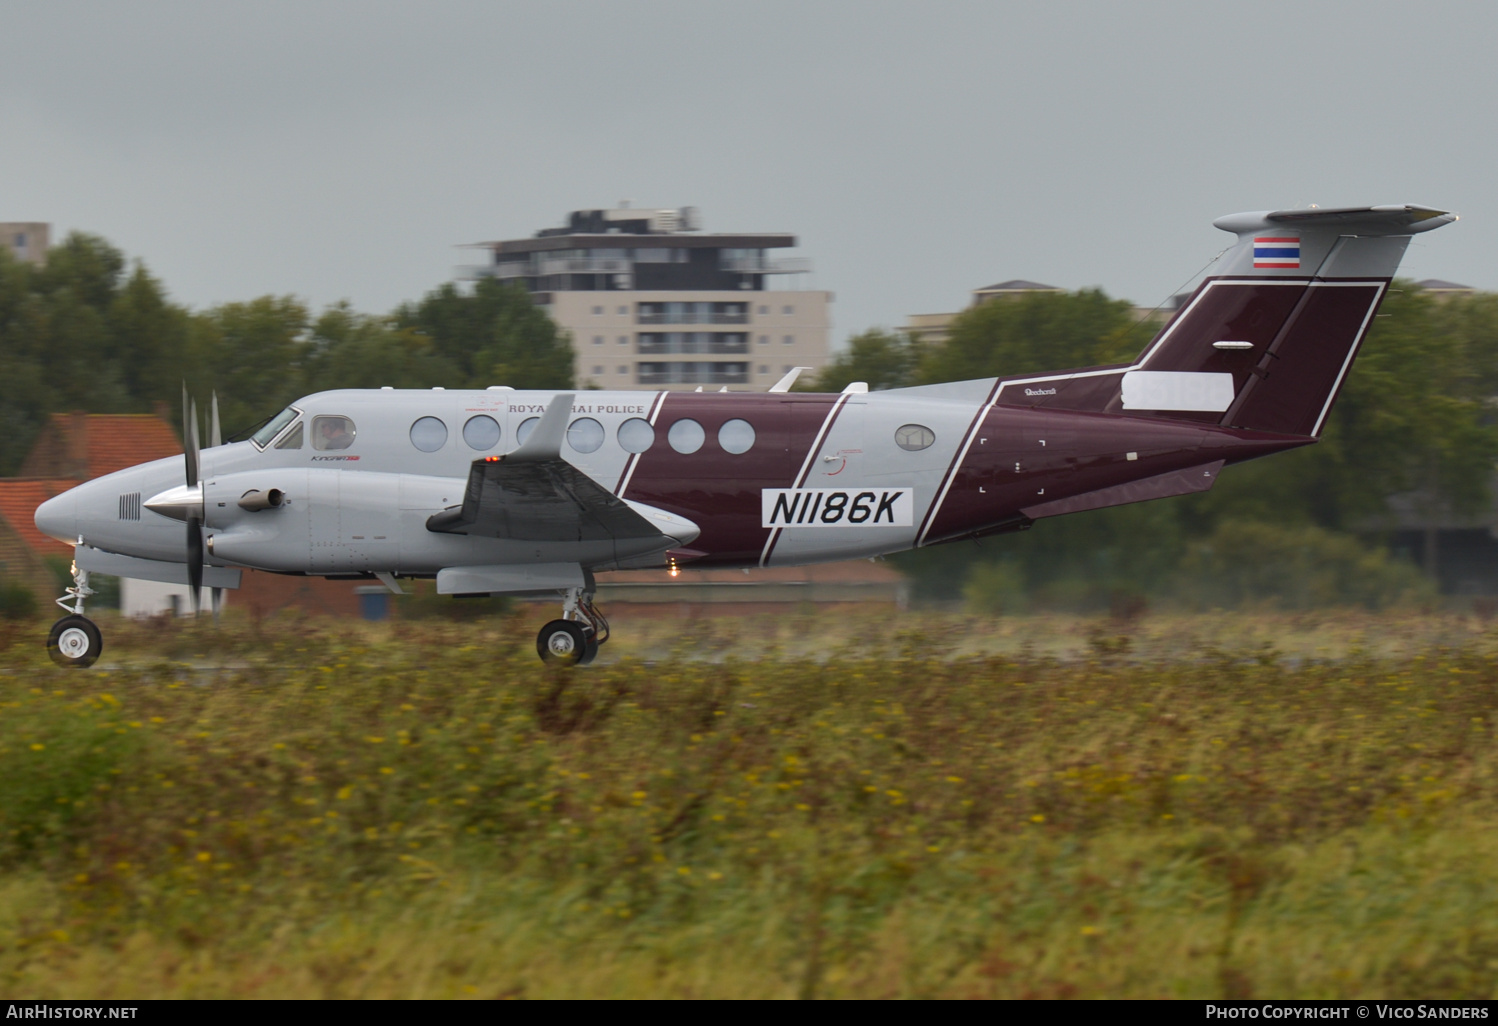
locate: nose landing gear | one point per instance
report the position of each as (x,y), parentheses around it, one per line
(75,640)
(574,639)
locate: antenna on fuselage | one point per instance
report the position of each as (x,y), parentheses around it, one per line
(785,383)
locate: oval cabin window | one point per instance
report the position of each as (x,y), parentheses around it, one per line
(481,432)
(429,434)
(636,435)
(585,434)
(914,437)
(686,436)
(736,436)
(524,430)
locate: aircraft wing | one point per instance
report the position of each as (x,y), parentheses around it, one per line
(544,500)
(533,494)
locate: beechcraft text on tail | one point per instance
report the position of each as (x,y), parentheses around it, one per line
(504,492)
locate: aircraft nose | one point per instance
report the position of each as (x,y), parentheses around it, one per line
(58,517)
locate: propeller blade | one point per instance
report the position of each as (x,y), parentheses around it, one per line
(195,562)
(190,443)
(215,437)
(218,601)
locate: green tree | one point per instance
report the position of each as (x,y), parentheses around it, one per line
(884,359)
(253,354)
(1040,331)
(354,350)
(495,335)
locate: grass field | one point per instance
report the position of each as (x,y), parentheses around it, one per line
(828,806)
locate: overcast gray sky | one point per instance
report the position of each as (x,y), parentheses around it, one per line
(341,149)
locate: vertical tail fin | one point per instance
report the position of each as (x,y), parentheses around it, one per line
(1267,342)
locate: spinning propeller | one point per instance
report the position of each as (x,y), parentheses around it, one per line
(193,510)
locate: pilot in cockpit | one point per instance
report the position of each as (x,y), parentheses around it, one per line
(334,433)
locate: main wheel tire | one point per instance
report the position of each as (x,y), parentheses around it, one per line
(562,643)
(590,651)
(74,641)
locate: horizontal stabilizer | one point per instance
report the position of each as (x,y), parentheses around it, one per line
(1390,219)
(1176,482)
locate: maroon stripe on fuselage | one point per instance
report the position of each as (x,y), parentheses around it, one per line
(1303,370)
(720,491)
(1027,457)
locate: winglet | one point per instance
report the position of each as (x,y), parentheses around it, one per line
(545,442)
(785,383)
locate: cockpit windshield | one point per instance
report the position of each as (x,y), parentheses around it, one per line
(273,427)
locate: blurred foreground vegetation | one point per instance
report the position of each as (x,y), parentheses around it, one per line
(1071,807)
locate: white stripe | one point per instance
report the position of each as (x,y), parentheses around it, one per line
(634,459)
(1352,351)
(967,443)
(811,454)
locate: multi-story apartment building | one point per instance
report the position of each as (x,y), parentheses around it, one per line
(652,302)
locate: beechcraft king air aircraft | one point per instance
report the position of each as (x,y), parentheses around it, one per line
(507,492)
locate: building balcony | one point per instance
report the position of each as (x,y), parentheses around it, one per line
(726,344)
(693,374)
(777,265)
(691,317)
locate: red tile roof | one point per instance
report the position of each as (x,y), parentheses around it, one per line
(19,498)
(84,446)
(117,441)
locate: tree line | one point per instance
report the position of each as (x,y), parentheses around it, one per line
(93,331)
(1415,418)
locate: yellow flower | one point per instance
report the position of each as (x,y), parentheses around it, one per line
(1037,818)
(204,856)
(38,747)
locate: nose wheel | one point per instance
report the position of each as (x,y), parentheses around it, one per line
(574,639)
(75,639)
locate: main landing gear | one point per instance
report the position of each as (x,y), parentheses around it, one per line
(574,639)
(75,640)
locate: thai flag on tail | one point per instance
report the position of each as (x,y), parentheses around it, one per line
(1277,251)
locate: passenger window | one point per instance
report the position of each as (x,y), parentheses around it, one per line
(585,434)
(429,434)
(481,432)
(914,437)
(524,430)
(686,436)
(736,436)
(293,439)
(332,433)
(636,435)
